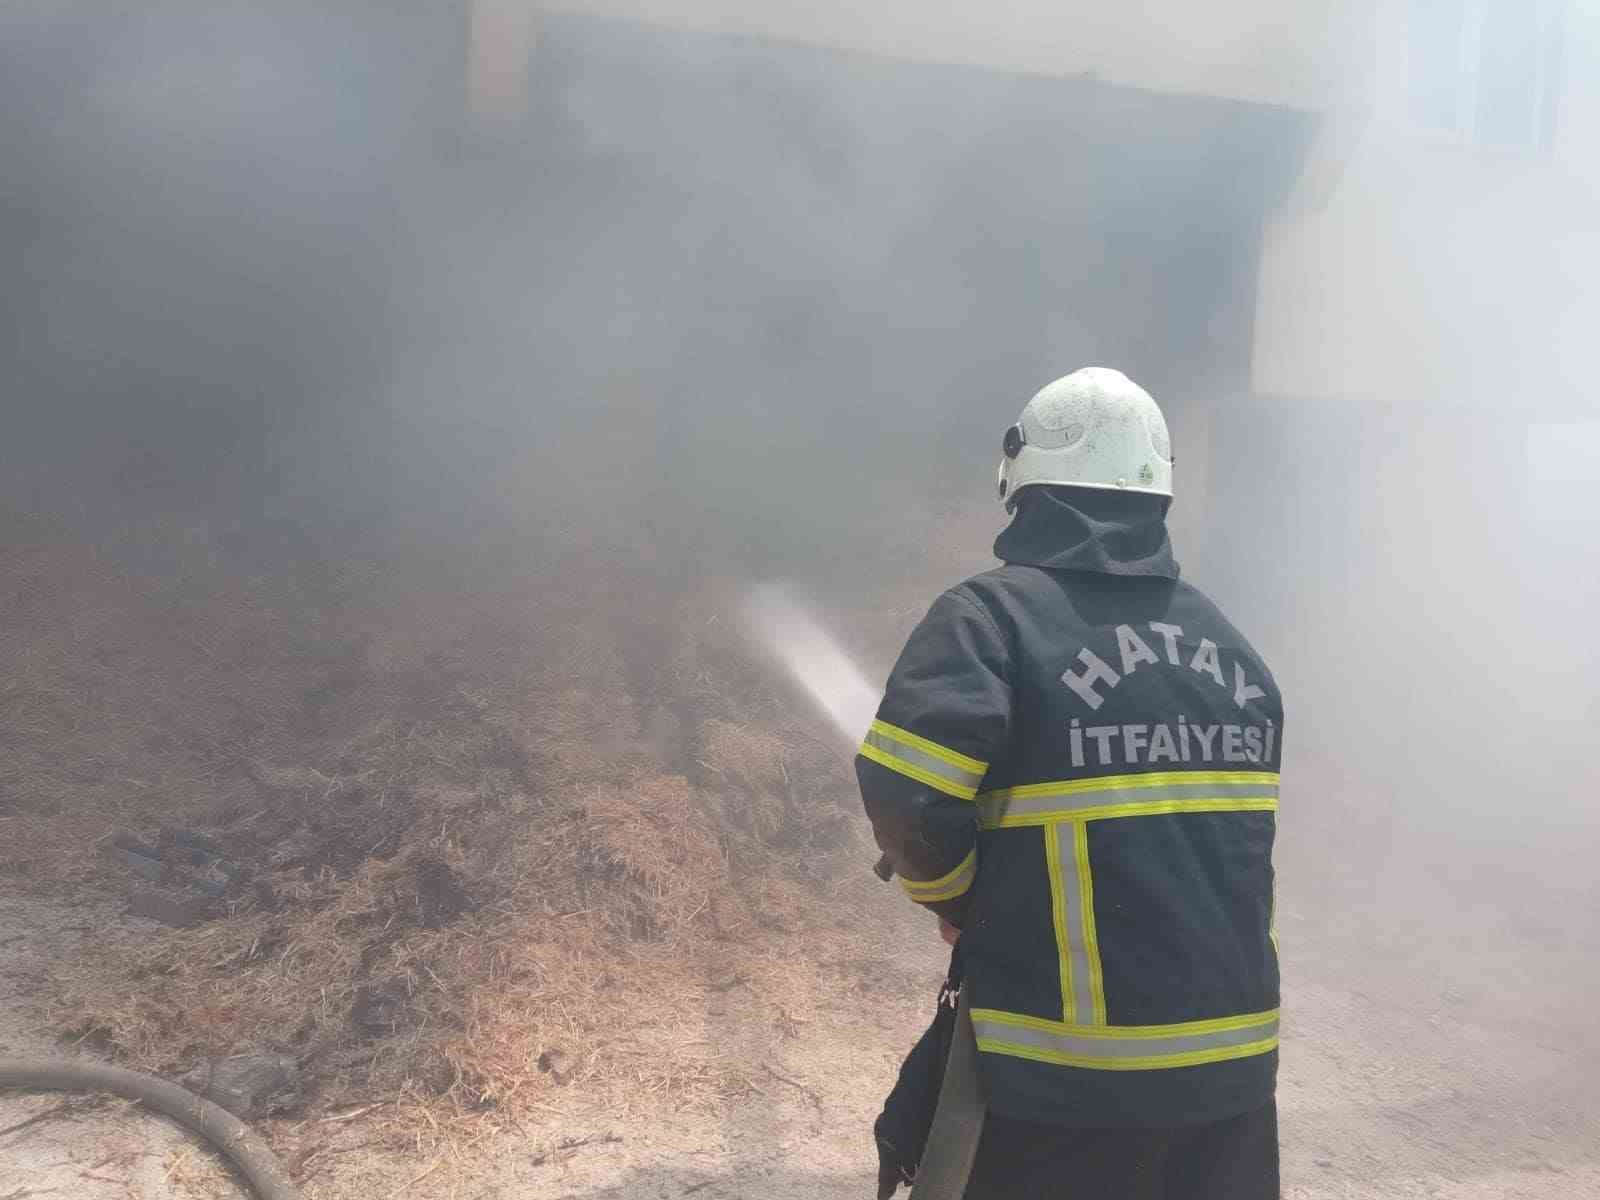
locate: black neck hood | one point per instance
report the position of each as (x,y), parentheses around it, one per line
(1087,529)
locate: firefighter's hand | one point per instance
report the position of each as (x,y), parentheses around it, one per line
(950,933)
(891,1171)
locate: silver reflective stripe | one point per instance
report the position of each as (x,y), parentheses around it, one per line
(1085,1046)
(964,781)
(998,806)
(1077,976)
(947,887)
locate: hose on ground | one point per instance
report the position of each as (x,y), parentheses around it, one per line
(245,1149)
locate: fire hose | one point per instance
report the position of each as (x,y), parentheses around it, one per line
(839,689)
(229,1135)
(951,1146)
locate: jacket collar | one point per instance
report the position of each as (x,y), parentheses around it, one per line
(1084,529)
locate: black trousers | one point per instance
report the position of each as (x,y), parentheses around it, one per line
(1236,1159)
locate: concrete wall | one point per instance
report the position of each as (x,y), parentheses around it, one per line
(1417,268)
(1373,280)
(1297,52)
(1423,303)
(1434,272)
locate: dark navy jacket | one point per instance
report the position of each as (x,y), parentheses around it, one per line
(1076,760)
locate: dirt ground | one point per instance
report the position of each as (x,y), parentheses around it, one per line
(1446,1056)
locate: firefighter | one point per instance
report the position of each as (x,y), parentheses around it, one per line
(1075,766)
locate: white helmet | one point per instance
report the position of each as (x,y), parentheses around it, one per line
(1095,428)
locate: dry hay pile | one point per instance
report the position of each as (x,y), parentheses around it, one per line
(500,837)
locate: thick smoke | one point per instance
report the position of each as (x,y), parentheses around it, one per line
(776,304)
(272,252)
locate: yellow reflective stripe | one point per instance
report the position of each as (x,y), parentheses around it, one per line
(987,818)
(1108,796)
(1058,911)
(1152,1062)
(946,887)
(926,762)
(1178,1029)
(1272,919)
(920,774)
(1091,944)
(1126,1047)
(1155,779)
(944,753)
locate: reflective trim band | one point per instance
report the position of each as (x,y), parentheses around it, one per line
(1088,938)
(1272,919)
(926,762)
(1072,903)
(1061,915)
(942,753)
(1156,794)
(1125,1047)
(946,887)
